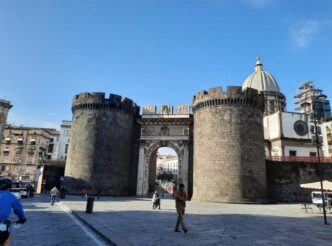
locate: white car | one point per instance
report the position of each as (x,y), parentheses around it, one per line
(316,198)
(20,192)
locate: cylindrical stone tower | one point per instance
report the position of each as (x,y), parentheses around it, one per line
(101,144)
(4,109)
(229,160)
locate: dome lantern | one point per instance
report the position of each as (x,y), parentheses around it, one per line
(261,80)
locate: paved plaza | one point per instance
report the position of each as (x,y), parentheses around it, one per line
(49,225)
(131,221)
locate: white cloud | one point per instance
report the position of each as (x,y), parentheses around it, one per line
(259,3)
(303,33)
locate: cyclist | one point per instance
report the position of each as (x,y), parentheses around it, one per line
(8,202)
(54,193)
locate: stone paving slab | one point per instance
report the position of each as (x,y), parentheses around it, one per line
(47,225)
(131,221)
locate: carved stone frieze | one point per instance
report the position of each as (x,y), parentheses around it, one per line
(149,109)
(164,131)
(166,109)
(183,109)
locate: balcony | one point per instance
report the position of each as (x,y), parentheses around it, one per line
(18,149)
(299,159)
(31,150)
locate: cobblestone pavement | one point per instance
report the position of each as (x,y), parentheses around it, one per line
(131,221)
(50,225)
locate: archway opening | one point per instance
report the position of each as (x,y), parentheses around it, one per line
(164,163)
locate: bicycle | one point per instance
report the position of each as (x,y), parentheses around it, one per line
(53,200)
(5,229)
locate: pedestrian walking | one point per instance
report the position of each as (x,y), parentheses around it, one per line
(84,193)
(180,204)
(98,192)
(156,200)
(54,193)
(174,191)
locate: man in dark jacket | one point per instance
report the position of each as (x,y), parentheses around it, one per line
(180,204)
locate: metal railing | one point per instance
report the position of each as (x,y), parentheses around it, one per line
(299,158)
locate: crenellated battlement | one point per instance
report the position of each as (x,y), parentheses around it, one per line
(233,96)
(98,100)
(5,104)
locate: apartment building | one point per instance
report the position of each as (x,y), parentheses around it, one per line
(23,149)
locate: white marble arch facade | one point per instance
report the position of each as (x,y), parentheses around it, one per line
(156,132)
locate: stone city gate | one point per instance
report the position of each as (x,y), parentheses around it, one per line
(164,129)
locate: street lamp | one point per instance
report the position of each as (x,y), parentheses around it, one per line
(316,131)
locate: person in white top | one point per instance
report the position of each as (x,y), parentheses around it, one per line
(54,193)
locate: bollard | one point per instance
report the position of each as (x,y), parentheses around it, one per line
(62,194)
(89,204)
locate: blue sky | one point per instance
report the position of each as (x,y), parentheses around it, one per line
(154,51)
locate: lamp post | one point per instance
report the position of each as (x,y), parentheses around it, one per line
(316,131)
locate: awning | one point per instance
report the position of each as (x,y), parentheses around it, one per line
(20,139)
(32,140)
(327,185)
(7,139)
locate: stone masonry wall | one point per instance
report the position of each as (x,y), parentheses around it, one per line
(101,144)
(5,106)
(229,160)
(284,179)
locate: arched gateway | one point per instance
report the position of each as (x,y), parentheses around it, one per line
(164,129)
(114,148)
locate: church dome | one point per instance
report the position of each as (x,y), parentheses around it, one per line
(261,80)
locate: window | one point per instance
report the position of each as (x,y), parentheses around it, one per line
(50,148)
(292,153)
(5,158)
(31,150)
(272,107)
(313,154)
(66,149)
(6,149)
(51,140)
(17,159)
(3,168)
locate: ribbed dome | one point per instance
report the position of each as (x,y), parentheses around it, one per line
(261,80)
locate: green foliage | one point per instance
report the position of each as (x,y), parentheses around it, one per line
(166,176)
(295,168)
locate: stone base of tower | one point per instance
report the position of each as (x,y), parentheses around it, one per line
(230,200)
(74,186)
